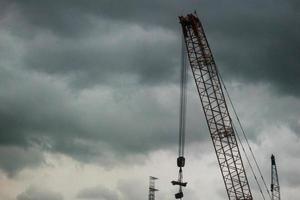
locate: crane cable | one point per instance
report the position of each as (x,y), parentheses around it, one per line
(247,142)
(248,161)
(182,120)
(183,98)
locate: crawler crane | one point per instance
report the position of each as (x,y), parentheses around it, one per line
(219,122)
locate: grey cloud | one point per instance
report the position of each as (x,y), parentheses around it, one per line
(263,48)
(104,125)
(32,106)
(36,193)
(288,172)
(257,106)
(14,158)
(260,54)
(132,189)
(83,78)
(72,17)
(98,192)
(102,59)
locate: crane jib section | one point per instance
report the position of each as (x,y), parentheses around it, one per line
(275,188)
(215,109)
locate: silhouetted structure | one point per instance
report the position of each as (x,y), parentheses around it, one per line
(219,122)
(152,188)
(275,189)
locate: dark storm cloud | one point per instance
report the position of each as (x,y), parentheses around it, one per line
(37,193)
(33,107)
(97,193)
(52,52)
(253,41)
(263,49)
(104,125)
(103,58)
(71,17)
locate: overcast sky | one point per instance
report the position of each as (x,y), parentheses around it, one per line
(89,96)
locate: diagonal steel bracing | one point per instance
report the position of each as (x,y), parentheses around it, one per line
(214,106)
(275,188)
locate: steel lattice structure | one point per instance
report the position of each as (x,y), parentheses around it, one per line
(275,189)
(214,106)
(152,188)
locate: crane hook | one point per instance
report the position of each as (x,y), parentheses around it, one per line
(179,182)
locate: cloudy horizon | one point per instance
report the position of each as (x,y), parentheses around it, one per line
(89,98)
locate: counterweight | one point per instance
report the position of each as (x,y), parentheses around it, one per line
(215,109)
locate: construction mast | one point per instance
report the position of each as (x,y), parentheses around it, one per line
(219,123)
(152,188)
(275,189)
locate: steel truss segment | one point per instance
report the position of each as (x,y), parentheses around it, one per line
(152,188)
(215,109)
(275,188)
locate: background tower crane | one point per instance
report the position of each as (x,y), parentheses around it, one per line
(215,109)
(275,189)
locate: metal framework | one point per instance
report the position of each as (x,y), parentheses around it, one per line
(215,109)
(275,189)
(152,188)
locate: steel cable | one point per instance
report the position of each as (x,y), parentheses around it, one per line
(244,134)
(248,161)
(183,98)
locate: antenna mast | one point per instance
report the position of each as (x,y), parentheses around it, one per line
(152,188)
